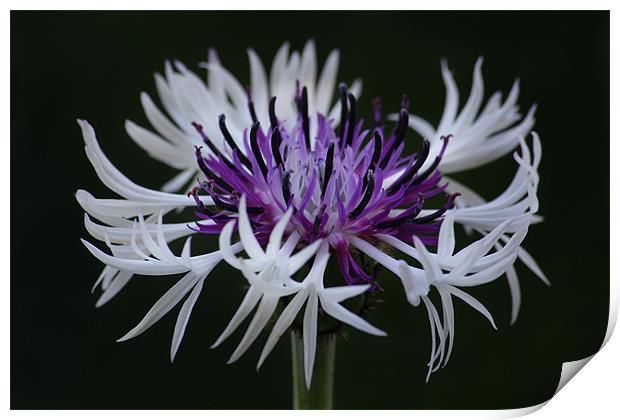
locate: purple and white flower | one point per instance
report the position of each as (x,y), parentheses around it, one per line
(301,179)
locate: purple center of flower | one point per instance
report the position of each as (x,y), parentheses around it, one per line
(335,179)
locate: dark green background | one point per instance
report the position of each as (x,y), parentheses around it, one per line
(94,66)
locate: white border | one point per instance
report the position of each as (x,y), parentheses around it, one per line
(594,394)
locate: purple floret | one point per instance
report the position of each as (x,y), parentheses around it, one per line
(333,178)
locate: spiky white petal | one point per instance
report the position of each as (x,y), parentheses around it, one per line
(479,135)
(269,273)
(188,98)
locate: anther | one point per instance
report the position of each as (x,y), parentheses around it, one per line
(429,218)
(231,142)
(211,146)
(286,187)
(343,111)
(409,173)
(208,172)
(370,186)
(251,105)
(256,149)
(352,112)
(276,140)
(273,120)
(305,120)
(376,154)
(329,165)
(421,177)
(318,219)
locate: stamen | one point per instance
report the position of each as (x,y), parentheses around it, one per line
(399,136)
(370,186)
(205,139)
(211,146)
(401,128)
(286,187)
(251,105)
(232,143)
(406,216)
(317,220)
(273,120)
(352,112)
(256,149)
(447,206)
(305,121)
(376,154)
(276,141)
(194,194)
(343,111)
(409,173)
(231,207)
(421,177)
(329,166)
(208,172)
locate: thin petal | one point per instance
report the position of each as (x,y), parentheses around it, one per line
(183,318)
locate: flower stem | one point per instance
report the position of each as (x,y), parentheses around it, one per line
(320,396)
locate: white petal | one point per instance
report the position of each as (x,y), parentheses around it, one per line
(183,318)
(264,312)
(471,301)
(225,245)
(250,300)
(284,321)
(310,334)
(275,239)
(342,314)
(250,244)
(515,293)
(179,181)
(120,280)
(159,148)
(327,83)
(163,305)
(529,261)
(299,259)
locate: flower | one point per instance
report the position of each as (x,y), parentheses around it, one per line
(301,181)
(269,274)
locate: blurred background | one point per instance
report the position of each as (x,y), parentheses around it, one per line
(94,65)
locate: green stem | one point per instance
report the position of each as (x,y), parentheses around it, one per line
(320,396)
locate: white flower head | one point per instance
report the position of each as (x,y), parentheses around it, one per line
(287,165)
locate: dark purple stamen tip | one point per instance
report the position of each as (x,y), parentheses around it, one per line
(370,186)
(421,177)
(248,91)
(208,172)
(399,136)
(343,111)
(273,120)
(231,142)
(437,214)
(413,169)
(406,216)
(286,187)
(305,120)
(329,166)
(317,220)
(256,149)
(276,141)
(378,147)
(206,140)
(351,122)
